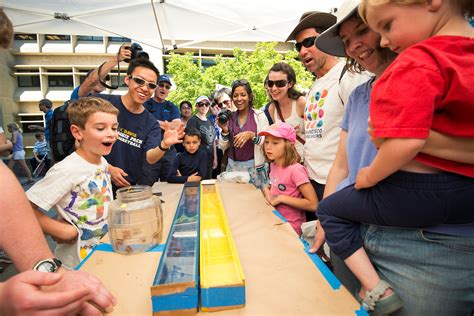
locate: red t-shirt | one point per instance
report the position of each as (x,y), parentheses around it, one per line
(428,86)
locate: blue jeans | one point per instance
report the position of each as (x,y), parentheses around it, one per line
(433,273)
(403,199)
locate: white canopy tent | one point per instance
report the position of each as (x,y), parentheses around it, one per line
(156,22)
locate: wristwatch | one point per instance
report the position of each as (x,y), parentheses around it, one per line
(162,148)
(48,265)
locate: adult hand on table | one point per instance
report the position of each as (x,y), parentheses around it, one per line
(24,294)
(99,300)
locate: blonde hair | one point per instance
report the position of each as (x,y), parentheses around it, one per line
(291,155)
(15,127)
(79,111)
(463,7)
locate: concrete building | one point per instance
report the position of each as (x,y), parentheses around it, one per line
(50,66)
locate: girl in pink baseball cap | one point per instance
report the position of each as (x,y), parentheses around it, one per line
(290,190)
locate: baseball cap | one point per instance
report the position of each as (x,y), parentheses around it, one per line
(165,78)
(202,98)
(329,41)
(313,19)
(280,130)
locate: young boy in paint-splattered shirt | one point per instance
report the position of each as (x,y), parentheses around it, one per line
(79,187)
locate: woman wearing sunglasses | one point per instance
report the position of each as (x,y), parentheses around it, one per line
(239,135)
(208,132)
(287,103)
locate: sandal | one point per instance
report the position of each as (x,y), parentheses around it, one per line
(377,305)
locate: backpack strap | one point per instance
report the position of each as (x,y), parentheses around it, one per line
(343,72)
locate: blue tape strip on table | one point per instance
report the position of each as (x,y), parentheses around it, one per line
(108,248)
(328,275)
(280,216)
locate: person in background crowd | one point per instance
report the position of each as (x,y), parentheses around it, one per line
(224,100)
(45,106)
(201,122)
(164,111)
(40,153)
(190,165)
(186,110)
(239,136)
(18,153)
(287,103)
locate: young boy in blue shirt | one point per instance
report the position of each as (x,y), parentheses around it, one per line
(190,165)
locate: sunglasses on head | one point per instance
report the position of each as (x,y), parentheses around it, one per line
(225,102)
(141,82)
(162,85)
(307,42)
(240,82)
(201,104)
(278,83)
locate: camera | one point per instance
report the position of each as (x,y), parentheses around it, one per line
(137,52)
(224,116)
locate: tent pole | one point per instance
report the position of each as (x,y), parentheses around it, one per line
(158,26)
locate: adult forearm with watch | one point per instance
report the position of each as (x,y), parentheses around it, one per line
(63,292)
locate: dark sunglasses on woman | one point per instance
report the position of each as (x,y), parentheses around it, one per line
(278,83)
(201,104)
(307,42)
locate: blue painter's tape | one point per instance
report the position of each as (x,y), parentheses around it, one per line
(328,275)
(280,216)
(223,296)
(361,312)
(108,248)
(79,266)
(178,301)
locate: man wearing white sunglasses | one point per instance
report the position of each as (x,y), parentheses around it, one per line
(139,132)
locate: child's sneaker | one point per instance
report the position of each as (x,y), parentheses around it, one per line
(4,258)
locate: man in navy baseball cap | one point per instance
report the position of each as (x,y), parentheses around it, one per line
(165,112)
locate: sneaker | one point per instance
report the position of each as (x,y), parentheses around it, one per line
(4,258)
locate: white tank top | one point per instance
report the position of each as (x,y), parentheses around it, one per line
(295,121)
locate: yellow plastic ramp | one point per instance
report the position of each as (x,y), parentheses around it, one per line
(222,280)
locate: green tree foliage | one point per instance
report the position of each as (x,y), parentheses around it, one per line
(192,80)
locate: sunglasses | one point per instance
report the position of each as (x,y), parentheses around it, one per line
(141,82)
(238,83)
(166,86)
(278,83)
(225,102)
(201,104)
(307,42)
